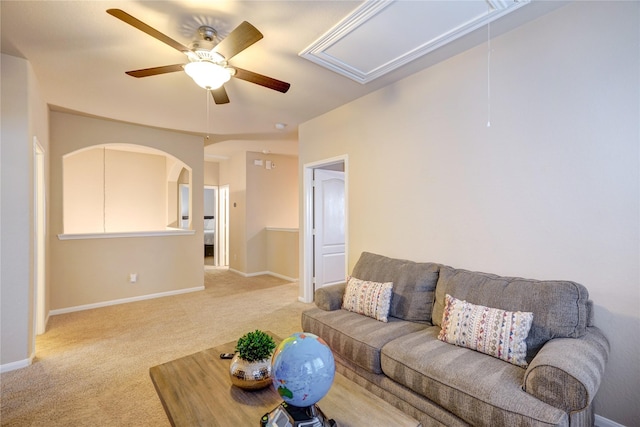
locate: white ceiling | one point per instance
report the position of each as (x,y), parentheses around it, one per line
(79,54)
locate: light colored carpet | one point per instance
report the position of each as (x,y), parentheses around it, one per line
(92,367)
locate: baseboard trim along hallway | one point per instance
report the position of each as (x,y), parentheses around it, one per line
(124,300)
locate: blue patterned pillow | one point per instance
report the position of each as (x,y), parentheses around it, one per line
(492,331)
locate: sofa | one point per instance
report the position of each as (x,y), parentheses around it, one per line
(405,360)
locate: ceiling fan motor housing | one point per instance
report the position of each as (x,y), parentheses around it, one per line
(203,47)
(208,34)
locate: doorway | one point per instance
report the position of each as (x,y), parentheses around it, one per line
(210,225)
(183,208)
(325,225)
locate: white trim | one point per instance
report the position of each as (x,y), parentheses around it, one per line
(244,274)
(283,277)
(216,219)
(39,224)
(286,230)
(262,273)
(215,157)
(306,287)
(158,233)
(12,366)
(307,236)
(605,422)
(343,32)
(124,300)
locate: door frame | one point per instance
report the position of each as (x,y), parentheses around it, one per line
(222,226)
(307,258)
(216,216)
(39,240)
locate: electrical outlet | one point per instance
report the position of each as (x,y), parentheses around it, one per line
(133,277)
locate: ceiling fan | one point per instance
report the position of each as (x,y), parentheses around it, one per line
(208,57)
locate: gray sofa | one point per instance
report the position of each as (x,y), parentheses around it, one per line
(441,384)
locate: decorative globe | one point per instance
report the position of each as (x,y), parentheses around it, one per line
(302,369)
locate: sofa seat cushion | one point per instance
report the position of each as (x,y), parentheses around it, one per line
(561,309)
(478,388)
(355,337)
(414,284)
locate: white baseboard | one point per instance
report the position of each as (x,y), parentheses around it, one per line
(124,300)
(605,422)
(12,366)
(283,277)
(260,273)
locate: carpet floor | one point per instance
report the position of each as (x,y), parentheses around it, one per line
(92,367)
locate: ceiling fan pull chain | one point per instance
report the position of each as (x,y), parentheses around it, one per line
(208,128)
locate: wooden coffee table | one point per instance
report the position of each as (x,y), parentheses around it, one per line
(196,390)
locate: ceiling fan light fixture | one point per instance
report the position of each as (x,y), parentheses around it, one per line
(207,75)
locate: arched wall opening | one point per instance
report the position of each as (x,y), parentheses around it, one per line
(120,188)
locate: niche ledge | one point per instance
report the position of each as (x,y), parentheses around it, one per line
(120,235)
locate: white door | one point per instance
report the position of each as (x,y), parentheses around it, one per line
(329,227)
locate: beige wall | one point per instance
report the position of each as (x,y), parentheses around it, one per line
(93,271)
(258,198)
(550,190)
(272,201)
(282,250)
(233,174)
(175,172)
(138,199)
(24,115)
(114,191)
(211,173)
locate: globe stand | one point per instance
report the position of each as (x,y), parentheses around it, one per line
(286,415)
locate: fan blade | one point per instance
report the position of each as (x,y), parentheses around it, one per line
(220,95)
(134,22)
(261,80)
(238,40)
(146,72)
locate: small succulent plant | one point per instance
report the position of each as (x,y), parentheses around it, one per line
(255,346)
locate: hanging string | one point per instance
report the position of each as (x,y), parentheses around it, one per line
(207,94)
(489,74)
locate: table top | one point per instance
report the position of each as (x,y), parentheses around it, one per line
(196,390)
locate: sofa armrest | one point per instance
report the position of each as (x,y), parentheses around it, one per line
(566,372)
(329,298)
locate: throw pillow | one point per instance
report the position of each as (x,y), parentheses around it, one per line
(368,298)
(492,331)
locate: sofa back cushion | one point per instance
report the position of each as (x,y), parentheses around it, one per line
(561,309)
(414,284)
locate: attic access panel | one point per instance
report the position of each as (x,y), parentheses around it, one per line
(381,35)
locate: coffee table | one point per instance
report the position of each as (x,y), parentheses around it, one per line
(196,390)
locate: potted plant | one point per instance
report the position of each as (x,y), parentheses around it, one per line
(251,366)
